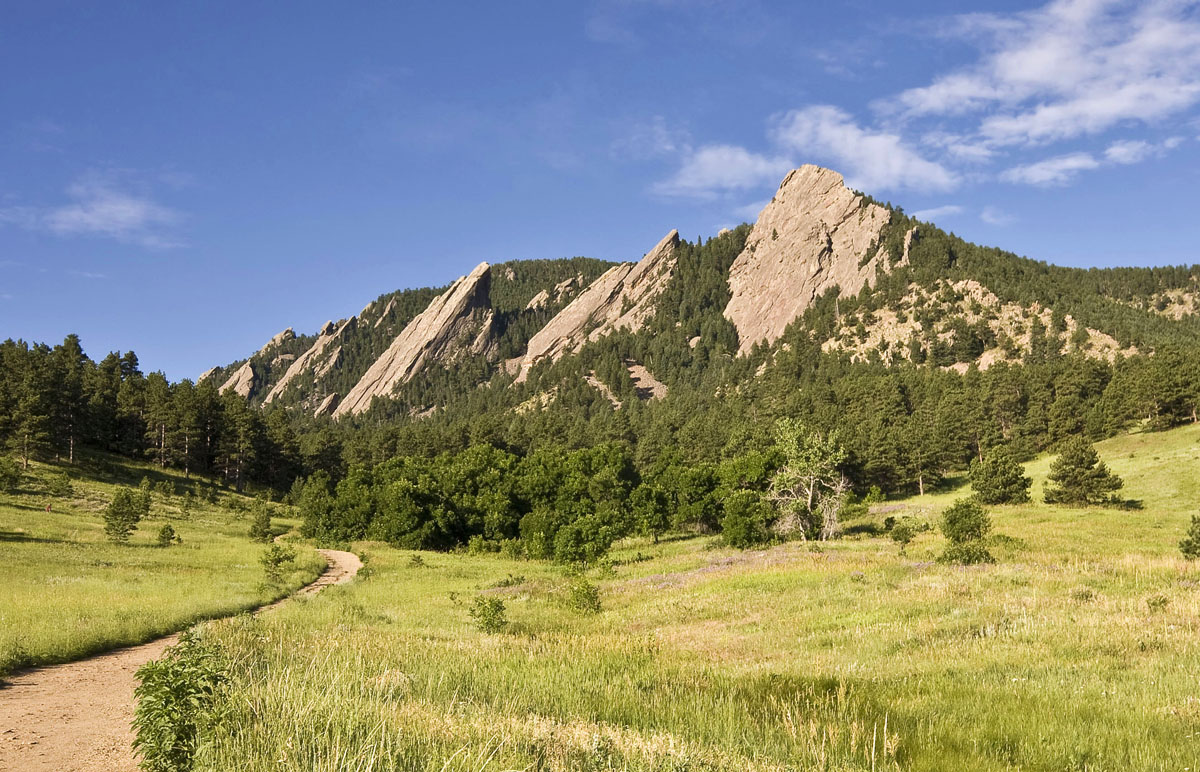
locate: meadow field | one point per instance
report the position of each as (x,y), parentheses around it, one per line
(1078,650)
(68,591)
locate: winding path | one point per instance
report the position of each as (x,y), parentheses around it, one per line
(76,717)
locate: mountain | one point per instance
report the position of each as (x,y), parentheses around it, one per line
(823,265)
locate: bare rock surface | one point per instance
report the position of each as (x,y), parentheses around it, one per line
(242,381)
(456,322)
(815,234)
(647,386)
(315,357)
(622,297)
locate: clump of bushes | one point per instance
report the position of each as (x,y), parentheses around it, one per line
(275,560)
(488,614)
(178,703)
(583,597)
(966,524)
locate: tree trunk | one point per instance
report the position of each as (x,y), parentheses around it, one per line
(921,483)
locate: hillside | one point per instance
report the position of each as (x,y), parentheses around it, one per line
(1076,651)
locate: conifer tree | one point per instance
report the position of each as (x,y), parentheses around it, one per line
(1079,477)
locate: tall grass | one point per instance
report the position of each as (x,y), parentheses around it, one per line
(68,592)
(1079,651)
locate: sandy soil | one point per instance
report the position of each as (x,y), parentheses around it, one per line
(76,717)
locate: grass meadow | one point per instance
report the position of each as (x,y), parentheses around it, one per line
(1079,650)
(68,592)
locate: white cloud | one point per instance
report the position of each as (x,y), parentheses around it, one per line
(1132,151)
(872,160)
(995,216)
(1071,68)
(651,139)
(1052,171)
(99,207)
(717,169)
(931,215)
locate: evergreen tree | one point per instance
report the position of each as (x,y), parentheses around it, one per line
(1080,478)
(121,516)
(1000,478)
(1190,546)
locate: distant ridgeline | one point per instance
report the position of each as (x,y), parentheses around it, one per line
(664,376)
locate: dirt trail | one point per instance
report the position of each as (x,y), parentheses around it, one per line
(76,717)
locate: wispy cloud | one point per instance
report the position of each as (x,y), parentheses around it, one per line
(995,216)
(99,205)
(716,169)
(1071,68)
(938,212)
(1052,171)
(871,159)
(654,138)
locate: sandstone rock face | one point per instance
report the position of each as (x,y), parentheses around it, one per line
(314,357)
(242,381)
(327,405)
(210,372)
(812,236)
(457,322)
(622,297)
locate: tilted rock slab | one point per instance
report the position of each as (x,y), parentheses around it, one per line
(448,328)
(329,337)
(245,379)
(622,297)
(812,236)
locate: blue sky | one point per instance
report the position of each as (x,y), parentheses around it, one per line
(187,179)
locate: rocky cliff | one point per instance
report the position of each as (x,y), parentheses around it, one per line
(622,297)
(815,234)
(322,356)
(245,379)
(456,323)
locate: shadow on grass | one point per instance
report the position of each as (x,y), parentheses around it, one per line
(19,536)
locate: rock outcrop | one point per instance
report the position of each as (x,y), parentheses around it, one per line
(622,297)
(242,381)
(815,234)
(320,356)
(456,323)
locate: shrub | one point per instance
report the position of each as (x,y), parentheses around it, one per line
(1190,546)
(416,561)
(583,597)
(488,613)
(966,524)
(167,536)
(744,524)
(59,485)
(164,488)
(902,533)
(10,474)
(121,516)
(260,527)
(178,702)
(275,560)
(1080,478)
(1000,479)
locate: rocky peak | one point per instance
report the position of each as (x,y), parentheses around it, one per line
(622,297)
(815,234)
(455,323)
(320,356)
(245,379)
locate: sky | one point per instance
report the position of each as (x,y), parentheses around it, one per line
(187,179)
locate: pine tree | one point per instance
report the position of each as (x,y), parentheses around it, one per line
(1080,478)
(122,515)
(1000,479)
(1190,546)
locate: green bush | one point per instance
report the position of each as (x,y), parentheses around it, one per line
(1000,479)
(275,560)
(59,485)
(966,524)
(167,536)
(178,703)
(1190,546)
(744,524)
(164,488)
(260,527)
(10,474)
(583,597)
(121,516)
(903,533)
(488,613)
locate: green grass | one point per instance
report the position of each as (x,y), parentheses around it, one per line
(68,592)
(1078,651)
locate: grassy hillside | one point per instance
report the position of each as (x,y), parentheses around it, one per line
(1076,652)
(68,592)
